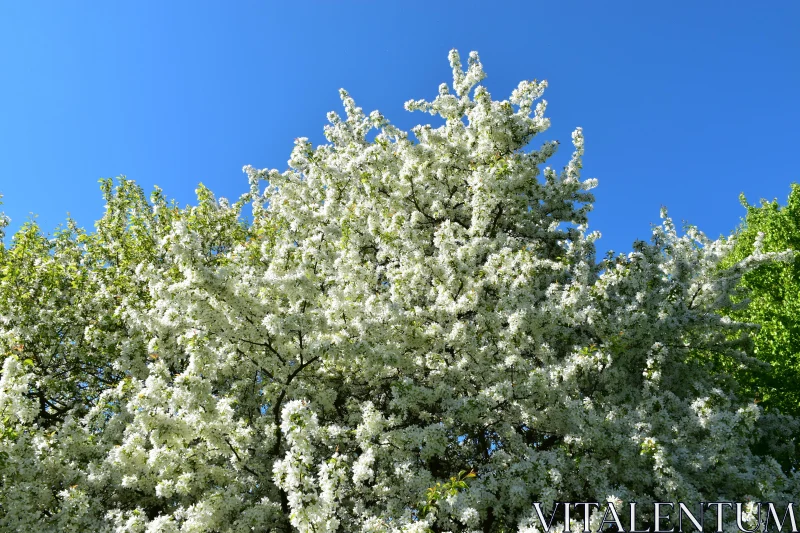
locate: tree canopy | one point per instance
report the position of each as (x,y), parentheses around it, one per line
(773,292)
(412,333)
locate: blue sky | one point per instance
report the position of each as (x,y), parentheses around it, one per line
(685,104)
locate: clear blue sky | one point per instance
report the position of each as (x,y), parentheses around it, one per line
(684,104)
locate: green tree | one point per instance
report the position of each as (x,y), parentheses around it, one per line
(773,291)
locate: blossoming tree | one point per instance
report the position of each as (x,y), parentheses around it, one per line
(413,334)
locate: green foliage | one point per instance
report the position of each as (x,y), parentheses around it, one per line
(774,293)
(443,490)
